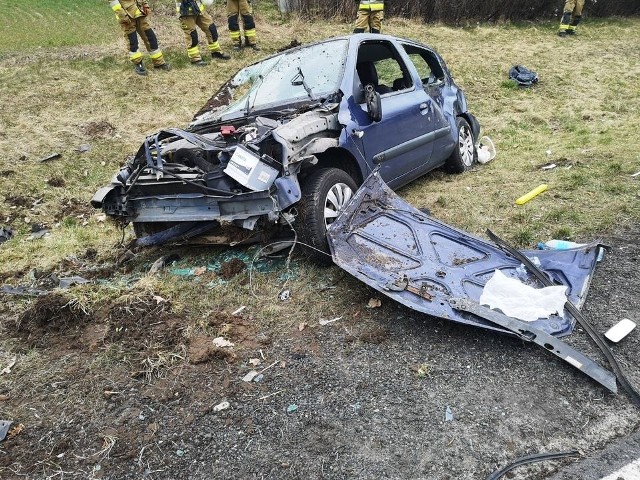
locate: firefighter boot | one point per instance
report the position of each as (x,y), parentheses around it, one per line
(564,24)
(165,66)
(139,68)
(571,30)
(220,55)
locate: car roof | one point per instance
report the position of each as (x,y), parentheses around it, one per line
(357,37)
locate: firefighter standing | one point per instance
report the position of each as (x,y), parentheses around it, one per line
(132,15)
(571,17)
(235,9)
(370,14)
(192,13)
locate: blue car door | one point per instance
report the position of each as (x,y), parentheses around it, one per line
(433,82)
(402,139)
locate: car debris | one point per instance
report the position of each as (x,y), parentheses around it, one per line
(533,193)
(324,322)
(439,270)
(620,330)
(4,428)
(284,144)
(251,374)
(162,262)
(421,262)
(6,234)
(523,76)
(222,342)
(53,156)
(530,334)
(8,368)
(221,406)
(538,457)
(448,414)
(23,290)
(517,300)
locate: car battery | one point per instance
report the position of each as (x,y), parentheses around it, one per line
(249,170)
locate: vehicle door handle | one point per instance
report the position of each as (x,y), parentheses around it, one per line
(425,106)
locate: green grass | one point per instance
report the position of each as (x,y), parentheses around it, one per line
(580,116)
(54,23)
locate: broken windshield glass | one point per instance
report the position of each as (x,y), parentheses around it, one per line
(268,83)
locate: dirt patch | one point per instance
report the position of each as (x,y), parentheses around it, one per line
(364,397)
(231,268)
(20,201)
(56,182)
(51,321)
(98,129)
(73,207)
(202,350)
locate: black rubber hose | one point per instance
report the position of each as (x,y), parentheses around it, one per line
(538,457)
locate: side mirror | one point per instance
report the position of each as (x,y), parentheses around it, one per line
(374,104)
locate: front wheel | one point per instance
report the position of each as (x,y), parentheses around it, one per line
(324,194)
(464,155)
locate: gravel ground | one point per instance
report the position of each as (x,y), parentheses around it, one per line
(380,393)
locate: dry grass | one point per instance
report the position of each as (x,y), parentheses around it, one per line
(582,111)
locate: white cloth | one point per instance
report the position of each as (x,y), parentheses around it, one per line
(517,300)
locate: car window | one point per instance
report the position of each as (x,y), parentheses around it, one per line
(311,72)
(388,70)
(379,64)
(426,63)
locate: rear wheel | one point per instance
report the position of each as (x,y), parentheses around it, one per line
(464,155)
(324,194)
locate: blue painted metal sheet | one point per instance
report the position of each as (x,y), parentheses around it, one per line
(421,262)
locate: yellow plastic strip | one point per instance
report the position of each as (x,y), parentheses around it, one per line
(533,193)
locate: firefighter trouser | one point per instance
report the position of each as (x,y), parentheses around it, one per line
(133,23)
(236,8)
(205,22)
(571,16)
(369,18)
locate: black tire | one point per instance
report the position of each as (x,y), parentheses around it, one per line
(464,155)
(324,194)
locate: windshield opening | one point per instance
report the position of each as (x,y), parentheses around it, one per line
(278,80)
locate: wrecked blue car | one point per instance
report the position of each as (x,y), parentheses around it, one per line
(285,143)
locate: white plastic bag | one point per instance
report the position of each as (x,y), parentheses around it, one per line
(486,150)
(517,300)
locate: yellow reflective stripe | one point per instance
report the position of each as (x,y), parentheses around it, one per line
(202,7)
(193,51)
(571,27)
(371,5)
(564,26)
(177,7)
(135,55)
(214,46)
(250,33)
(156,54)
(115,5)
(234,35)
